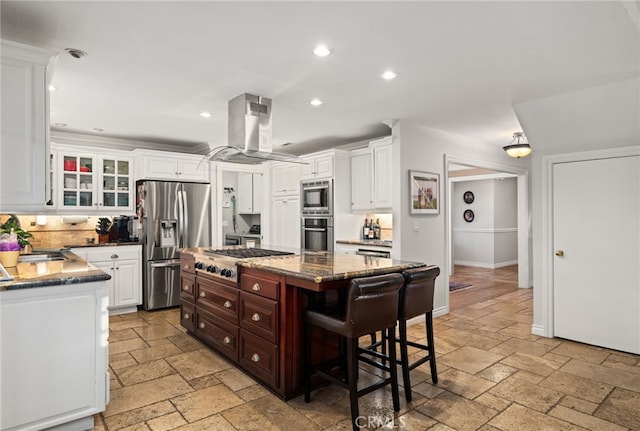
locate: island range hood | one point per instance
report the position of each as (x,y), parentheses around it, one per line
(249,134)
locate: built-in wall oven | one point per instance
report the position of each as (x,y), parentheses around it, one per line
(317,233)
(316,198)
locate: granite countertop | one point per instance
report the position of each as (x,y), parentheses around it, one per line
(104,244)
(323,266)
(72,270)
(369,242)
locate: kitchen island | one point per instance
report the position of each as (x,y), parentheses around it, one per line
(257,321)
(54,349)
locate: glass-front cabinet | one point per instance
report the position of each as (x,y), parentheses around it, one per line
(116,183)
(89,182)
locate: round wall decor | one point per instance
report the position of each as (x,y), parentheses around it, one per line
(468,197)
(468,216)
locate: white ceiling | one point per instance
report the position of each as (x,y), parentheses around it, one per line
(153,66)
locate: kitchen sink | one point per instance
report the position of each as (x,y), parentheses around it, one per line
(41,257)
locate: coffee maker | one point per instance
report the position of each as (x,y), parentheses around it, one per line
(124,229)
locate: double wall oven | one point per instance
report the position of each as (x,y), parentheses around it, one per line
(317,215)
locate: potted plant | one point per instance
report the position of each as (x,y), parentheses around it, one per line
(13,239)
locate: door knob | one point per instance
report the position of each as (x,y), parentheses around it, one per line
(559,253)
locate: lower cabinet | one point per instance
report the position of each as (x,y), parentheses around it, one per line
(243,322)
(124,264)
(54,356)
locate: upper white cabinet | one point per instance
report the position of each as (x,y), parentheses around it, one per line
(321,165)
(285,179)
(91,183)
(371,170)
(249,193)
(24,143)
(361,177)
(159,165)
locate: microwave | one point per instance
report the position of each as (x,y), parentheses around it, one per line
(316,197)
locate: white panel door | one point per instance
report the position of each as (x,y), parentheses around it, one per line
(596,240)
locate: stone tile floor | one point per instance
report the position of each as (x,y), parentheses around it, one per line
(493,375)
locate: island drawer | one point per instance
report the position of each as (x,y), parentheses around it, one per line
(260,286)
(218,333)
(188,316)
(188,263)
(218,299)
(259,315)
(259,357)
(188,287)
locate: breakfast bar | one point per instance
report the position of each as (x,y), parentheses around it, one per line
(256,321)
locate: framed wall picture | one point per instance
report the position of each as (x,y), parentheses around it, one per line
(468,197)
(425,192)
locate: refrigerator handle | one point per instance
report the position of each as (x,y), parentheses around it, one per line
(185,221)
(180,219)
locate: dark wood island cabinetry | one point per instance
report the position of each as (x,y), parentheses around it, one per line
(256,321)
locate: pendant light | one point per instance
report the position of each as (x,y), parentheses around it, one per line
(519,149)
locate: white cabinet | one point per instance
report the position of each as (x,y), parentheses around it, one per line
(93,183)
(249,193)
(24,142)
(320,165)
(54,356)
(361,177)
(285,179)
(123,263)
(159,165)
(286,221)
(371,176)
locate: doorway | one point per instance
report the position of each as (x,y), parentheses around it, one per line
(486,170)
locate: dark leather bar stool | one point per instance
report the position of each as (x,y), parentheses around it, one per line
(371,305)
(416,299)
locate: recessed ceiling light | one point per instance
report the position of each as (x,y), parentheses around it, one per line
(97,129)
(205,114)
(52,87)
(60,124)
(388,75)
(76,53)
(315,102)
(286,144)
(322,50)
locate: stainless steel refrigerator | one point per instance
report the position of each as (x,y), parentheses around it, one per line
(172,215)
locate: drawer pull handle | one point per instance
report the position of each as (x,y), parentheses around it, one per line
(201,325)
(186,316)
(255,317)
(186,287)
(114,256)
(226,340)
(227,304)
(201,294)
(256,288)
(255,357)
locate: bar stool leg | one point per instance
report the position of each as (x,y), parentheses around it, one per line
(307,363)
(352,367)
(404,359)
(431,347)
(393,368)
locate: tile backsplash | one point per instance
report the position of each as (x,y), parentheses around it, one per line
(55,233)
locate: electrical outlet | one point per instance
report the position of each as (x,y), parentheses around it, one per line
(225,223)
(416,226)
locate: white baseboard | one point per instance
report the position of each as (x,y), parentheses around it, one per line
(538,330)
(487,265)
(439,311)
